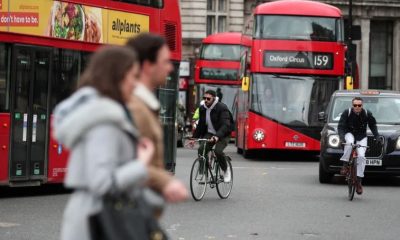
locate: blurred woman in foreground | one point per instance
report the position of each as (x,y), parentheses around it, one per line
(95,125)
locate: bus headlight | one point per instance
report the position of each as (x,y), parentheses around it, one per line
(334,141)
(258,135)
(398,143)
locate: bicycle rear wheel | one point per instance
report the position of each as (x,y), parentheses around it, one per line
(224,188)
(198,179)
(352,179)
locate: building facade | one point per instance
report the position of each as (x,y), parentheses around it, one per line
(378,51)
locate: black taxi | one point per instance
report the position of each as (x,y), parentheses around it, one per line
(381,158)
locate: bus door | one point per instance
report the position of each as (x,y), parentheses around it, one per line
(29,113)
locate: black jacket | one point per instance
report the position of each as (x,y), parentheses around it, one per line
(220,118)
(357,124)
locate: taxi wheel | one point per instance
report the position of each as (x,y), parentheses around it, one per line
(324,177)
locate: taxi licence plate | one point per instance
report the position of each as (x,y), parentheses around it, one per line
(373,162)
(295,144)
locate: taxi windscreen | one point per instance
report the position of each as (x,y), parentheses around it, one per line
(386,110)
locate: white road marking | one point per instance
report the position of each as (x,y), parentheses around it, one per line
(8,225)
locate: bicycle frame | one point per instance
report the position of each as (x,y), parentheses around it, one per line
(351,176)
(211,163)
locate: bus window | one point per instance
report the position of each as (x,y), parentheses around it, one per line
(4,79)
(297,28)
(150,3)
(66,72)
(85,56)
(220,52)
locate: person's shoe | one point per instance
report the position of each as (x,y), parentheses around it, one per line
(359,189)
(344,170)
(227,175)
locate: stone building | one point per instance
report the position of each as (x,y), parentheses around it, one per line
(378,52)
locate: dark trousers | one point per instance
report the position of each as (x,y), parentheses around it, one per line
(219,150)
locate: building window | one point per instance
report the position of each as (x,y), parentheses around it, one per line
(217,14)
(381,55)
(210,25)
(211,5)
(221,23)
(222,5)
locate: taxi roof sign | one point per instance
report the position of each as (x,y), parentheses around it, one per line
(370,92)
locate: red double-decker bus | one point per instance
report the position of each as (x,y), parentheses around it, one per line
(296,63)
(44,47)
(218,66)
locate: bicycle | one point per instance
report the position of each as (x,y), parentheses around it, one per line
(202,174)
(351,176)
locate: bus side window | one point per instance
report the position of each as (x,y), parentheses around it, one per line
(4,81)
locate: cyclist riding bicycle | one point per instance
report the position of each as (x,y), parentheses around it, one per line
(353,127)
(216,124)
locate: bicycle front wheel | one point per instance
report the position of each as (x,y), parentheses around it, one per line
(352,179)
(224,188)
(198,179)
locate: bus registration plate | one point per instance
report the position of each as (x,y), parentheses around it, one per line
(295,144)
(373,162)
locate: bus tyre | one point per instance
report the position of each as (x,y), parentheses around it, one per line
(239,150)
(247,154)
(179,143)
(324,177)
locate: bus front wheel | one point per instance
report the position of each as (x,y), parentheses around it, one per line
(247,154)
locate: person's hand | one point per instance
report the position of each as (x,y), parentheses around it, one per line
(145,150)
(175,191)
(379,140)
(190,143)
(214,139)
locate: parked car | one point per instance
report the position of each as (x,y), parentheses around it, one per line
(381,159)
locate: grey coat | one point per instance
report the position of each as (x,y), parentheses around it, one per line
(95,129)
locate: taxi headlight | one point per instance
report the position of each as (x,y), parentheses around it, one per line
(334,140)
(258,135)
(398,143)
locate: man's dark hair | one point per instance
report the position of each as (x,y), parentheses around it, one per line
(211,92)
(357,98)
(147,46)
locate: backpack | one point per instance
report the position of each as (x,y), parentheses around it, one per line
(232,127)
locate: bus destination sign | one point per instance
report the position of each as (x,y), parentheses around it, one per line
(305,60)
(219,74)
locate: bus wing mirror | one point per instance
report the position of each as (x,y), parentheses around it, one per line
(321,116)
(356,32)
(245,84)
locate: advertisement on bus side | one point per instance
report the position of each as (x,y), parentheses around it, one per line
(70,21)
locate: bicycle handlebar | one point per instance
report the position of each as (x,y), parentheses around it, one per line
(355,145)
(200,139)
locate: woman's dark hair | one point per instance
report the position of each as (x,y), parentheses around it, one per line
(106,70)
(147,46)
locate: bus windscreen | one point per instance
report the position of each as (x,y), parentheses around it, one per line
(220,52)
(292,100)
(298,28)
